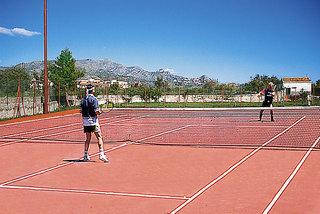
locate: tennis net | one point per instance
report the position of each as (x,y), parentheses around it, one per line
(292,128)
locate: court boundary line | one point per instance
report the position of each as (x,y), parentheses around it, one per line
(241,126)
(70,163)
(290,178)
(159,134)
(233,167)
(54,134)
(53,128)
(35,120)
(223,108)
(83,191)
(30,175)
(206,125)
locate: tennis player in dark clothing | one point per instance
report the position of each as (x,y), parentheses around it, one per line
(90,111)
(268,94)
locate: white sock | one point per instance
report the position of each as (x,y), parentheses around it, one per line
(101,152)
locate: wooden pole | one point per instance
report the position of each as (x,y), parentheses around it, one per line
(34,97)
(45,78)
(59,95)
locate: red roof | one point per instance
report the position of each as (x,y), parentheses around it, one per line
(296,79)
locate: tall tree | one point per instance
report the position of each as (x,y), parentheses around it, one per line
(258,82)
(316,88)
(9,80)
(64,71)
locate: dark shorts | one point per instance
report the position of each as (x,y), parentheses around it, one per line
(266,104)
(95,128)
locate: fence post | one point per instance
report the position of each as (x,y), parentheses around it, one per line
(34,97)
(59,95)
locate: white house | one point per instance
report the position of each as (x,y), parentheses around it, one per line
(294,85)
(82,82)
(122,84)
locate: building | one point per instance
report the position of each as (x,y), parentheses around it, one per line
(294,85)
(82,82)
(96,81)
(122,84)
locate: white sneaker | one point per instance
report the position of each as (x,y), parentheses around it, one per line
(86,157)
(103,158)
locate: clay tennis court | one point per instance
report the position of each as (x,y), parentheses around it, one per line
(164,161)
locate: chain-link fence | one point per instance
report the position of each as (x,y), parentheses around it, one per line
(20,98)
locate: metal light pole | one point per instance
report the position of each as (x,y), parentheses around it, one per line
(45,78)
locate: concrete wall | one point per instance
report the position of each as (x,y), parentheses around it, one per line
(196,98)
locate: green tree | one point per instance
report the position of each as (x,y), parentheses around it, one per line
(160,83)
(210,86)
(161,86)
(144,93)
(64,71)
(155,94)
(9,79)
(114,88)
(316,88)
(258,82)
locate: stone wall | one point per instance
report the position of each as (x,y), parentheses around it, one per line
(8,106)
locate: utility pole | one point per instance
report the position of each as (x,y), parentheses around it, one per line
(45,78)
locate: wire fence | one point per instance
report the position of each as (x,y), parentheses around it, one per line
(23,98)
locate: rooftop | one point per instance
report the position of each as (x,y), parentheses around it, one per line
(296,79)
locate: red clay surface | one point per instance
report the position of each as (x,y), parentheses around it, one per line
(26,201)
(158,179)
(249,188)
(303,195)
(144,169)
(40,116)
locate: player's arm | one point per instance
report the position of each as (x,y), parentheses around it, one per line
(96,107)
(261,93)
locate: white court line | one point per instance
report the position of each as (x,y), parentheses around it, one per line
(53,168)
(232,168)
(240,126)
(69,163)
(202,125)
(29,121)
(285,185)
(48,141)
(54,134)
(52,128)
(162,133)
(95,192)
(223,108)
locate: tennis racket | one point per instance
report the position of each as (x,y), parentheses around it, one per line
(106,106)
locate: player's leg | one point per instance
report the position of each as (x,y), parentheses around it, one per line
(271,113)
(260,116)
(86,156)
(98,134)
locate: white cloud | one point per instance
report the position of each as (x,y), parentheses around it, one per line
(5,31)
(18,31)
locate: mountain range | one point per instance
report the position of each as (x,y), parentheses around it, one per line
(107,69)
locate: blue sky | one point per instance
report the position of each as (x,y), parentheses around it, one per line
(228,40)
